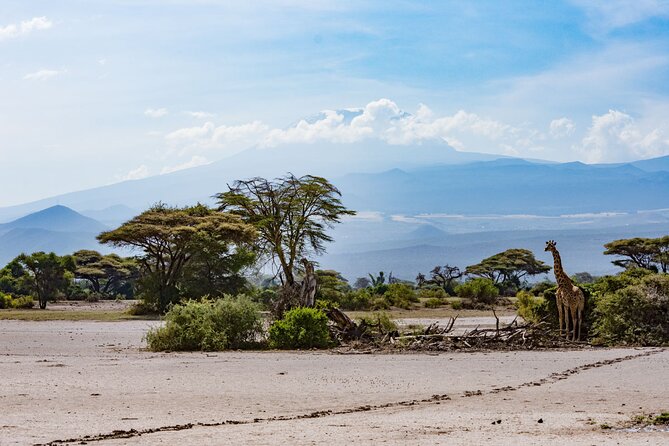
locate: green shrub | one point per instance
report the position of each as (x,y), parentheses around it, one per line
(400,295)
(479,290)
(231,322)
(356,300)
(432,293)
(380,303)
(456,304)
(433,302)
(379,322)
(637,314)
(9,301)
(529,306)
(300,328)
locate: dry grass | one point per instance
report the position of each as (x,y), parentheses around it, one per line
(73,315)
(435,313)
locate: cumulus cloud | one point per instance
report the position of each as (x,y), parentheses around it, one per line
(156,112)
(136,174)
(194,162)
(611,137)
(43,75)
(562,127)
(14,30)
(617,136)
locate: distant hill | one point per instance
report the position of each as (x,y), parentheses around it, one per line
(582,250)
(58,229)
(56,218)
(507,187)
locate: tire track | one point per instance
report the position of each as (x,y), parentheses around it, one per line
(434,399)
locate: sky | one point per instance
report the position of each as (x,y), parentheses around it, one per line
(93,93)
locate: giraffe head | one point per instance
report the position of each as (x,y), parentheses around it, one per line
(550,246)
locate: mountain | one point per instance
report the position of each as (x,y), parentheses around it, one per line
(200,183)
(56,218)
(58,229)
(111,216)
(507,186)
(582,250)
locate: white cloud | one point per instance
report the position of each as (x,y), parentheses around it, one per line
(369,216)
(223,138)
(607,15)
(200,114)
(43,75)
(136,174)
(616,136)
(194,162)
(155,112)
(25,27)
(562,127)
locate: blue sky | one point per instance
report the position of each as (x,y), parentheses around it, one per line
(96,92)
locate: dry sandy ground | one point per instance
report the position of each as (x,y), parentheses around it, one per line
(63,380)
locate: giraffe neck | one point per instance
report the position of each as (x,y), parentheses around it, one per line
(560,276)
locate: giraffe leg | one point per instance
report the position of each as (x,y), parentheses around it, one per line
(574,310)
(558,303)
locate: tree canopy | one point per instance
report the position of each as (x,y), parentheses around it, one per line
(106,274)
(46,274)
(169,238)
(291,215)
(638,252)
(508,267)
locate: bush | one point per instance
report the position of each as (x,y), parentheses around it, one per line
(479,290)
(356,300)
(529,306)
(208,326)
(433,302)
(300,328)
(432,293)
(400,295)
(379,323)
(637,314)
(8,301)
(456,304)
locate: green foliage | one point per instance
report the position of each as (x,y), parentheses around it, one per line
(433,302)
(361,299)
(379,322)
(291,215)
(45,275)
(647,253)
(106,275)
(456,304)
(333,287)
(173,237)
(9,301)
(636,314)
(228,323)
(400,295)
(480,290)
(300,328)
(506,269)
(529,307)
(432,293)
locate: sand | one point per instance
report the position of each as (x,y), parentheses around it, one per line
(64,380)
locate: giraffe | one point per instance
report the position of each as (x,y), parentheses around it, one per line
(569,297)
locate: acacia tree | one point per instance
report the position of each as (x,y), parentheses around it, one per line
(638,252)
(46,274)
(106,274)
(445,276)
(291,216)
(509,267)
(170,237)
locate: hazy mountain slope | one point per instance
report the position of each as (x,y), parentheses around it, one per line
(28,240)
(55,218)
(507,187)
(582,250)
(200,183)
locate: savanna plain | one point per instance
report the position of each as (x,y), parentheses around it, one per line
(95,382)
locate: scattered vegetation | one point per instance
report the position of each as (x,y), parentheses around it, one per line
(206,325)
(300,328)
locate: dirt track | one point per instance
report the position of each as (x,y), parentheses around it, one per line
(65,380)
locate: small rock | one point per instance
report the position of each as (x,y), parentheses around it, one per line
(540,420)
